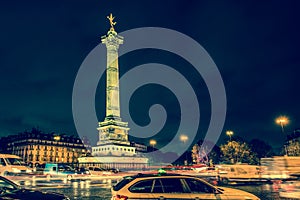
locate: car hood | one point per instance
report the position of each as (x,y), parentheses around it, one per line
(20,167)
(239,193)
(32,194)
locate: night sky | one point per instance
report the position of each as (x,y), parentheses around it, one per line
(255,45)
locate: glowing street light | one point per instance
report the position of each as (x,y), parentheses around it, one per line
(282,121)
(152,143)
(184,138)
(229,133)
(56,138)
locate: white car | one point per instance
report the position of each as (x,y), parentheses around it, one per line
(172,186)
(12,164)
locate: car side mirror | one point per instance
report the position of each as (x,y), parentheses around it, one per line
(217,192)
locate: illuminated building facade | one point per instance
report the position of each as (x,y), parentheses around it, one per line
(36,147)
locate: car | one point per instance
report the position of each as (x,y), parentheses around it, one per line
(11,190)
(82,171)
(13,165)
(98,171)
(59,170)
(172,186)
(62,170)
(242,173)
(114,170)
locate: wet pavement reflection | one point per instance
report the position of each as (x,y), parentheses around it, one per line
(99,187)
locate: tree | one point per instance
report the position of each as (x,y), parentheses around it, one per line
(261,148)
(237,152)
(201,153)
(293,148)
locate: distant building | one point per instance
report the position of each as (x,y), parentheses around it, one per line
(36,147)
(87,144)
(140,147)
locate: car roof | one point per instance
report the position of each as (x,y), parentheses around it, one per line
(127,179)
(150,175)
(9,156)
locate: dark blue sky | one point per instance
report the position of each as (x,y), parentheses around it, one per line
(255,45)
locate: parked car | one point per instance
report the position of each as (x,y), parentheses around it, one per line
(173,186)
(11,190)
(12,164)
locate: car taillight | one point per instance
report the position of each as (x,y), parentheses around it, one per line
(120,197)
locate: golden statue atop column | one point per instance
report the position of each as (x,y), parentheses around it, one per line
(111,21)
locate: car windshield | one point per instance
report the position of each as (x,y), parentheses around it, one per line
(14,161)
(65,168)
(122,183)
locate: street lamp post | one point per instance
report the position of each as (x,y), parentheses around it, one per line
(229,133)
(282,121)
(152,143)
(184,139)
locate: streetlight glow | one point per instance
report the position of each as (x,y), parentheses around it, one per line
(152,143)
(57,137)
(282,121)
(184,138)
(229,133)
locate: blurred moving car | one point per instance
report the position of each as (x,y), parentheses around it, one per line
(289,189)
(10,190)
(60,170)
(239,173)
(12,164)
(172,186)
(207,170)
(98,171)
(82,171)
